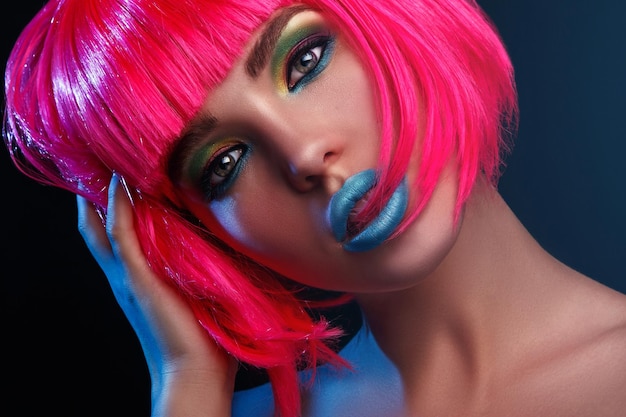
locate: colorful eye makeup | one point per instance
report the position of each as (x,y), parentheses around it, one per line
(215,167)
(301,53)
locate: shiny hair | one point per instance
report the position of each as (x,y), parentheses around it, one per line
(94,87)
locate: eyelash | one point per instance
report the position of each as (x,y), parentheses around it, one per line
(212,189)
(238,153)
(308,45)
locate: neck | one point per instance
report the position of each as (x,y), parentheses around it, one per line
(457,320)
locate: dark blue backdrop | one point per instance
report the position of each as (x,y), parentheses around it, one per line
(68,347)
(566,178)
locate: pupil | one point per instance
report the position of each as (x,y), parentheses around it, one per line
(224,165)
(309,59)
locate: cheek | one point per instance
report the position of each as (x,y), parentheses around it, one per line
(261,220)
(226,215)
(353,99)
(248,223)
(240,223)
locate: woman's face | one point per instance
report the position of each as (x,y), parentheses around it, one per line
(295,118)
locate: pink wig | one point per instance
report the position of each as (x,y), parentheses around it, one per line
(94,87)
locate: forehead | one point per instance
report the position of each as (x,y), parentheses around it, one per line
(255,56)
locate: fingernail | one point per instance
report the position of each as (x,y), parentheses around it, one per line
(125,187)
(101,213)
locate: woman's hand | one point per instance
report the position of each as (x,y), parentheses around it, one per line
(190,374)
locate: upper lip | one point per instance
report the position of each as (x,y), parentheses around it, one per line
(353,226)
(344,201)
(349,201)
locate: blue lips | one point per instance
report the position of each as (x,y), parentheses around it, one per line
(344,200)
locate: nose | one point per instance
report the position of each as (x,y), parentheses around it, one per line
(309,149)
(312,163)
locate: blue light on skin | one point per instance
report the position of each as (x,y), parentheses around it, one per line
(224,210)
(373,387)
(379,229)
(216,198)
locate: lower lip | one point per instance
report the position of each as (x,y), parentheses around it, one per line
(379,229)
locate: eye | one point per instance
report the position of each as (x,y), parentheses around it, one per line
(222,170)
(308,59)
(304,64)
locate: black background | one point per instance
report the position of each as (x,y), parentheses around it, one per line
(68,350)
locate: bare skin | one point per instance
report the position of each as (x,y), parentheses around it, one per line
(478,318)
(503,328)
(190,375)
(499,328)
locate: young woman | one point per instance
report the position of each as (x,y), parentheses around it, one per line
(230,158)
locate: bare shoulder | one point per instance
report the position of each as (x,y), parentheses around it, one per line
(605,344)
(585,374)
(607,385)
(609,350)
(598,366)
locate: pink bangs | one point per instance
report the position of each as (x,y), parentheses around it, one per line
(96,86)
(115,82)
(440,70)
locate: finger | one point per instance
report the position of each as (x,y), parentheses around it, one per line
(164,322)
(120,224)
(92,230)
(157,297)
(125,243)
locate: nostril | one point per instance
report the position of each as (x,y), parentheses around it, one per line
(309,167)
(328,156)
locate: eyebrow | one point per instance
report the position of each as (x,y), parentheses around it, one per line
(194,134)
(200,127)
(263,47)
